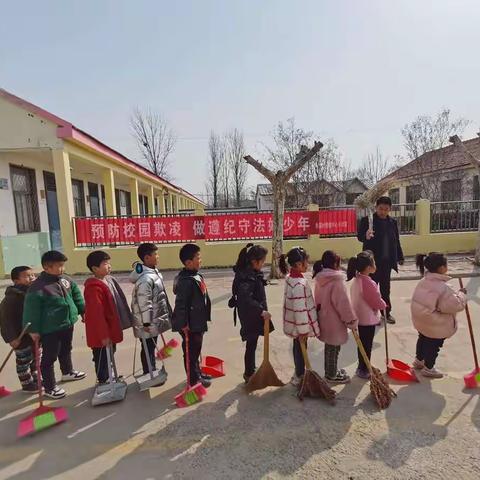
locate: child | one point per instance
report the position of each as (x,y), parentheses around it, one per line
(52,306)
(11,312)
(366,302)
(106,311)
(335,313)
(150,306)
(299,312)
(248,291)
(434,305)
(192,310)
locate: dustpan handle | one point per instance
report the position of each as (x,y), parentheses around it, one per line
(386,334)
(266,339)
(163,339)
(108,349)
(39,372)
(470,329)
(187,356)
(147,357)
(362,351)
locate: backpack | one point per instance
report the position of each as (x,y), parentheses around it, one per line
(233,302)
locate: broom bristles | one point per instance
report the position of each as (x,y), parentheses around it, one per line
(315,386)
(368,198)
(380,389)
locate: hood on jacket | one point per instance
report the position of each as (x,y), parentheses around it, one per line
(139,270)
(439,277)
(328,275)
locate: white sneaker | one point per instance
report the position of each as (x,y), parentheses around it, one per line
(418,364)
(431,373)
(56,393)
(73,376)
(296,381)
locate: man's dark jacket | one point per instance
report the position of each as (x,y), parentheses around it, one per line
(376,243)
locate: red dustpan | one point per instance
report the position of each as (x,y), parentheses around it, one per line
(396,369)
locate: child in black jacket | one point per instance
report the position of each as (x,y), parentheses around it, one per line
(11,315)
(250,300)
(192,310)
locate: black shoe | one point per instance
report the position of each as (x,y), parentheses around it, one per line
(391,320)
(30,388)
(247,378)
(205,376)
(204,382)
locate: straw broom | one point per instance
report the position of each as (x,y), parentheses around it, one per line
(379,388)
(313,385)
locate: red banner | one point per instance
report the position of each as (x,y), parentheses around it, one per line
(134,230)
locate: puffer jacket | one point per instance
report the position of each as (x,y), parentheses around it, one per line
(299,310)
(366,300)
(150,305)
(434,305)
(335,313)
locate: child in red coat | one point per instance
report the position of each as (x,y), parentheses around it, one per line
(106,311)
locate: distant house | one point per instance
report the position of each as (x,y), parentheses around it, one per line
(322,193)
(442,175)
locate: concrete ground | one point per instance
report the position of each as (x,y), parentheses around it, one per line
(431,430)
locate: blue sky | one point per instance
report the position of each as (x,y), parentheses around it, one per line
(353,70)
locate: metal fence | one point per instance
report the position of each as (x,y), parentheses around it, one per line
(405,215)
(454,216)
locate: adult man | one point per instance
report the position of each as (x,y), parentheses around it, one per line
(384,242)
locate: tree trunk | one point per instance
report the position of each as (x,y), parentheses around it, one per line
(279,193)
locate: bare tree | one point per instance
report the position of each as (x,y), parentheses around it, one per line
(424,139)
(235,152)
(279,180)
(215,168)
(428,133)
(154,138)
(374,167)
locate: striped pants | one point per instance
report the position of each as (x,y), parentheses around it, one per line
(331,360)
(26,369)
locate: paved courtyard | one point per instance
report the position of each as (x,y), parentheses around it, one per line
(431,431)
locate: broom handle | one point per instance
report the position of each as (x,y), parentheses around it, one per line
(362,351)
(23,332)
(187,357)
(303,346)
(386,334)
(163,340)
(39,372)
(266,340)
(470,329)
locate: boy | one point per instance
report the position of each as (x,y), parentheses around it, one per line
(192,310)
(52,306)
(106,311)
(150,306)
(11,312)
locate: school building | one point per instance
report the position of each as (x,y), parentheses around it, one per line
(51,172)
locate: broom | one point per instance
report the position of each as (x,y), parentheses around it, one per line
(167,349)
(265,376)
(42,417)
(379,388)
(313,385)
(4,391)
(191,394)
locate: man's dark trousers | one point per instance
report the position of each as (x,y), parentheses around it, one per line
(382,277)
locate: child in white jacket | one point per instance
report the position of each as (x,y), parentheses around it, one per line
(434,306)
(299,309)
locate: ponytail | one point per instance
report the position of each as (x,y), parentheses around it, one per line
(248,254)
(359,263)
(432,262)
(317,268)
(282,264)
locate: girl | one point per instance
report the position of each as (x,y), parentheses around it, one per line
(434,305)
(249,299)
(334,312)
(366,302)
(299,312)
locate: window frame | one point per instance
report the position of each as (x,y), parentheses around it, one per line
(457,188)
(79,201)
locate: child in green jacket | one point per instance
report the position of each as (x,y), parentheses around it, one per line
(52,306)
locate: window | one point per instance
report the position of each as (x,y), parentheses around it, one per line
(322,200)
(78,198)
(451,190)
(350,198)
(24,191)
(394,195)
(476,188)
(117,201)
(93,199)
(414,193)
(104,208)
(143,201)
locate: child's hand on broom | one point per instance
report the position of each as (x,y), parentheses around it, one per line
(14,344)
(266,315)
(370,234)
(35,336)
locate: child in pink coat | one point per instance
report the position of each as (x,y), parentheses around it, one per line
(299,310)
(335,313)
(434,305)
(366,302)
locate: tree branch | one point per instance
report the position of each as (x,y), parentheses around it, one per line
(302,158)
(267,173)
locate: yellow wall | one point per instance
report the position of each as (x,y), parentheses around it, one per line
(224,254)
